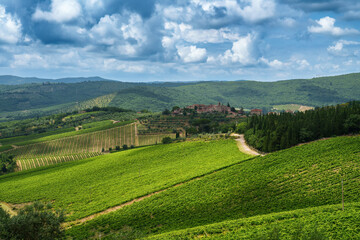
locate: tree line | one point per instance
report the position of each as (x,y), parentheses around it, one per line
(279,131)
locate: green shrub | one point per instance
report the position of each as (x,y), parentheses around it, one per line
(33,222)
(166,140)
(7,164)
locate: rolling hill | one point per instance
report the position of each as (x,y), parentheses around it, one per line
(88,186)
(19,101)
(15,80)
(302,177)
(202,189)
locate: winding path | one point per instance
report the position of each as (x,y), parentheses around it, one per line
(243,147)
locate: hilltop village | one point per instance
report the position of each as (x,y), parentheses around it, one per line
(212,108)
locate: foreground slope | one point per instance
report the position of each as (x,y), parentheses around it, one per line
(324,222)
(88,186)
(300,177)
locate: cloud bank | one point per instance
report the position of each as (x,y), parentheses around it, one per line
(179,40)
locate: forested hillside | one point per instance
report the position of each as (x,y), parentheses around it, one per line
(246,94)
(274,132)
(19,101)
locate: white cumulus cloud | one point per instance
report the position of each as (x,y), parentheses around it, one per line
(249,10)
(338,48)
(125,34)
(29,60)
(189,54)
(178,13)
(187,33)
(274,63)
(114,64)
(326,25)
(61,11)
(243,51)
(10,27)
(94,4)
(258,10)
(300,64)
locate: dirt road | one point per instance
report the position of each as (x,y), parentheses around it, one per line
(243,147)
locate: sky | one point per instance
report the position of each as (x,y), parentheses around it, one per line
(179,40)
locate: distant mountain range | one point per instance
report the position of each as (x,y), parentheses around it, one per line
(15,80)
(69,94)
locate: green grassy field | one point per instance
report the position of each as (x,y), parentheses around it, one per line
(88,186)
(297,178)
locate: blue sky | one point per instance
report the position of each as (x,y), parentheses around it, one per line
(173,40)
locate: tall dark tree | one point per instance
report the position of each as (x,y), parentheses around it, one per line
(166,112)
(7,164)
(352,123)
(274,132)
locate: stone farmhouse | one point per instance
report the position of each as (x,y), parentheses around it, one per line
(202,108)
(256,112)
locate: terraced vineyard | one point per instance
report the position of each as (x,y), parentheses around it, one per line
(46,160)
(81,146)
(297,178)
(60,133)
